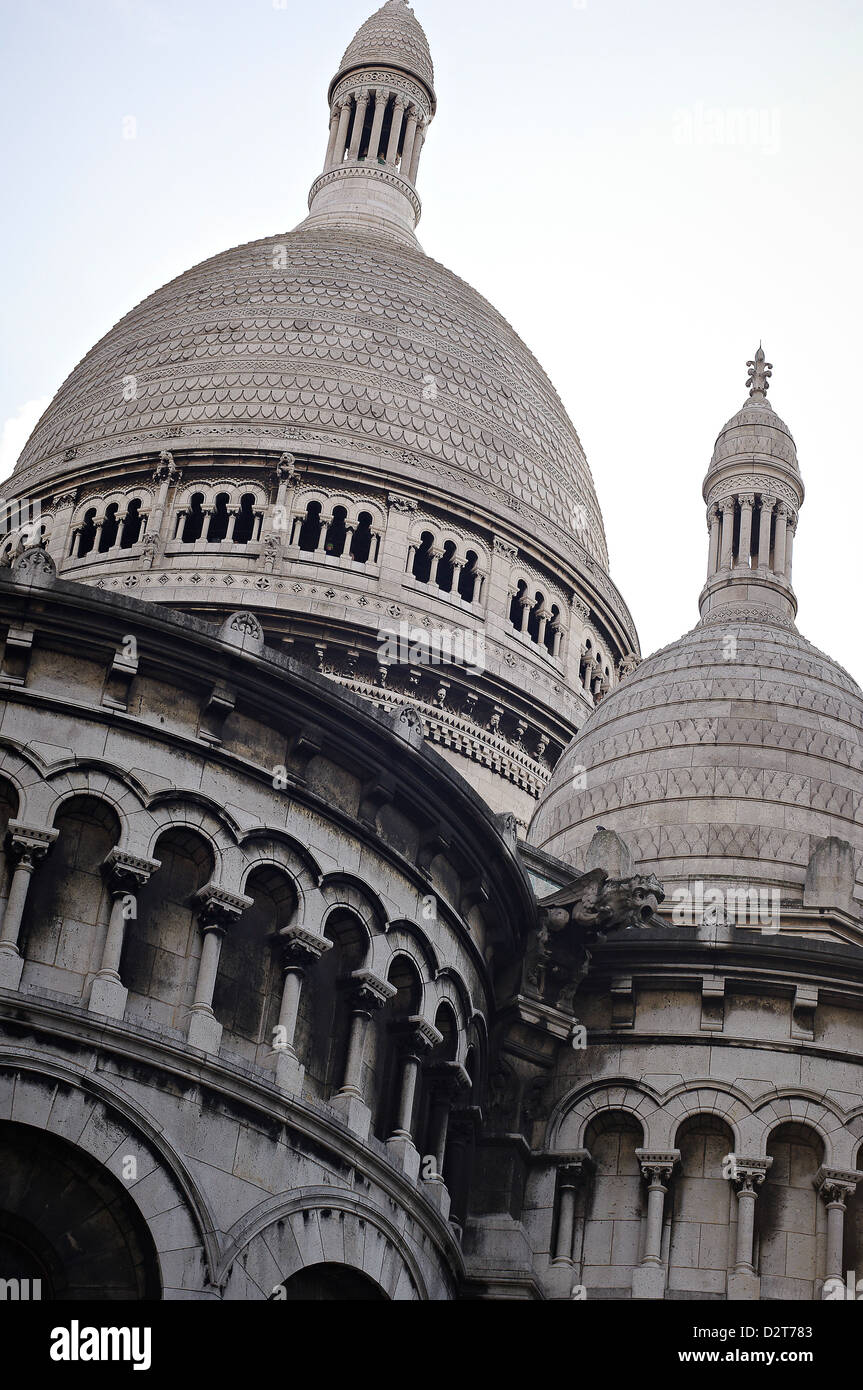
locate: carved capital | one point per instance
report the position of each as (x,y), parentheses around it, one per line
(836,1185)
(29,844)
(746,499)
(300,946)
(217,908)
(370,991)
(126,873)
(396,503)
(749,1173)
(657,1167)
(504,549)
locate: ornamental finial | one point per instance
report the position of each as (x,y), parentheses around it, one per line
(759,376)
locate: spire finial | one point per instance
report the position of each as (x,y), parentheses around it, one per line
(759,376)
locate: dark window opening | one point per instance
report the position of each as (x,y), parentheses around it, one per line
(87,534)
(218,528)
(361,544)
(337,532)
(423,558)
(132,524)
(194,523)
(468,577)
(310,531)
(244,527)
(446,568)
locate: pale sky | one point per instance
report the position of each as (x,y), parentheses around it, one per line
(643,189)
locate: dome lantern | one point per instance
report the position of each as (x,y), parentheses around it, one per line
(381,104)
(753,492)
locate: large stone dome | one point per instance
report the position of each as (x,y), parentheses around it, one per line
(340,342)
(725,756)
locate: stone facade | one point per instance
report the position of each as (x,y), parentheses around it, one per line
(289,1007)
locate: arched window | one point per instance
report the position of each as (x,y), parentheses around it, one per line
(468,577)
(517,606)
(218,528)
(194,523)
(162,945)
(310,531)
(330,1283)
(244,526)
(87,533)
(68,906)
(337,532)
(248,990)
(611,1207)
(132,524)
(361,543)
(323,1024)
(110,527)
(704,1209)
(446,568)
(533,620)
(422,564)
(790,1218)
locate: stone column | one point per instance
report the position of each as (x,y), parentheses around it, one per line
(334,132)
(359,123)
(789,543)
(59,541)
(300,948)
(713,516)
(782,511)
(338,154)
(767,505)
(409,141)
(217,909)
(396,130)
(526,605)
(569,1177)
(28,846)
(648,1280)
(370,994)
(747,1175)
(747,502)
(446,1080)
(125,875)
(382,96)
(416,1038)
(727,509)
(835,1186)
(419,141)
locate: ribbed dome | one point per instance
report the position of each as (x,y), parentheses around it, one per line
(334,342)
(717,763)
(392,36)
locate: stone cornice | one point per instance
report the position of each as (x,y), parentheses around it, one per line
(362,169)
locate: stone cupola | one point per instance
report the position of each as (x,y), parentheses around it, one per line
(382,101)
(753,492)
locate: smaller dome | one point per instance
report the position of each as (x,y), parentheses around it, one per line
(757,434)
(394,37)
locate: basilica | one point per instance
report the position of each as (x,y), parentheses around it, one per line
(376,922)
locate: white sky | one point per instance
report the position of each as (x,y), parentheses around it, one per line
(587,171)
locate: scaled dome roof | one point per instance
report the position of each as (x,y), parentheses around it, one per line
(392,36)
(338,342)
(714,766)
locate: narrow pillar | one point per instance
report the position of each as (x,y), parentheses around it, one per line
(767,505)
(568,1179)
(727,508)
(835,1186)
(416,1038)
(790,533)
(713,519)
(300,949)
(409,141)
(217,910)
(747,502)
(334,133)
(338,154)
(526,606)
(28,846)
(446,1079)
(648,1279)
(419,141)
(747,1175)
(381,96)
(396,130)
(126,874)
(59,545)
(371,993)
(359,123)
(782,510)
(544,616)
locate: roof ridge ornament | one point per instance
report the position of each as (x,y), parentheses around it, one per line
(760,372)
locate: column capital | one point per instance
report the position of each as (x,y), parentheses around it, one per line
(657,1166)
(447,1079)
(30,843)
(416,1035)
(749,1173)
(836,1184)
(746,499)
(768,500)
(370,991)
(217,908)
(300,946)
(127,872)
(727,504)
(573,1167)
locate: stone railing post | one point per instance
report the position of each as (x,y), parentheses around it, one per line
(125,875)
(27,846)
